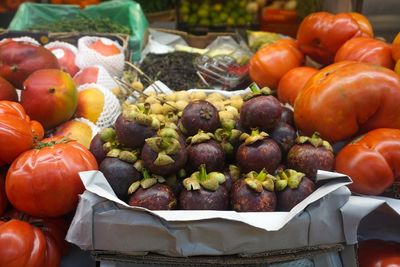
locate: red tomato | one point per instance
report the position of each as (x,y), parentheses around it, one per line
(321,34)
(348,98)
(293,82)
(372,161)
(22,244)
(367,50)
(15,131)
(55,227)
(378,253)
(273,61)
(44,181)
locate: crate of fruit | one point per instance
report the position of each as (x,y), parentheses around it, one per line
(203,16)
(222,210)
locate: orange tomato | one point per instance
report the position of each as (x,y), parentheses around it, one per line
(293,82)
(271,62)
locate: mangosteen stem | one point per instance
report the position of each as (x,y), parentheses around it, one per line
(202,173)
(261,175)
(255,132)
(146,174)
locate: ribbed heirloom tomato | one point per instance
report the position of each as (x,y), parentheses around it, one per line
(372,161)
(347,98)
(15,131)
(321,34)
(273,61)
(22,244)
(367,50)
(44,181)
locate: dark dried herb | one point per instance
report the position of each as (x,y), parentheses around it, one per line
(176,70)
(83,24)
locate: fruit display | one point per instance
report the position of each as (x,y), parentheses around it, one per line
(210,152)
(65,110)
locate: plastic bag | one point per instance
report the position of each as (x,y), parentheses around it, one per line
(124,12)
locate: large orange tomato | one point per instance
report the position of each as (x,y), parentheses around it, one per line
(273,61)
(15,131)
(321,34)
(367,50)
(378,253)
(22,244)
(44,181)
(346,98)
(293,82)
(396,47)
(372,161)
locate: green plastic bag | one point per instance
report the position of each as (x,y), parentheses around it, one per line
(124,12)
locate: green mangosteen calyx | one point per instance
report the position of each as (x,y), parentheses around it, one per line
(227,136)
(166,143)
(139,114)
(288,178)
(314,140)
(234,172)
(147,182)
(200,137)
(210,181)
(130,156)
(256,91)
(259,181)
(255,136)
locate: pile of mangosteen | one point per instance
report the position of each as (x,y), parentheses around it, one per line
(194,159)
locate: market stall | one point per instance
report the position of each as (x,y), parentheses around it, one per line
(253,133)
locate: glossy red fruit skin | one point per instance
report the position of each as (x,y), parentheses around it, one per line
(20,59)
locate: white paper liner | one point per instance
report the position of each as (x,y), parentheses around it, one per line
(88,57)
(111,109)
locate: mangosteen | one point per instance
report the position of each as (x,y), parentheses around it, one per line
(261,110)
(228,137)
(120,175)
(309,155)
(202,149)
(287,116)
(254,192)
(133,126)
(232,174)
(293,187)
(284,135)
(102,143)
(165,153)
(258,152)
(203,191)
(199,115)
(152,193)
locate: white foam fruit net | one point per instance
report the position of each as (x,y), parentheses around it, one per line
(88,57)
(111,109)
(103,77)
